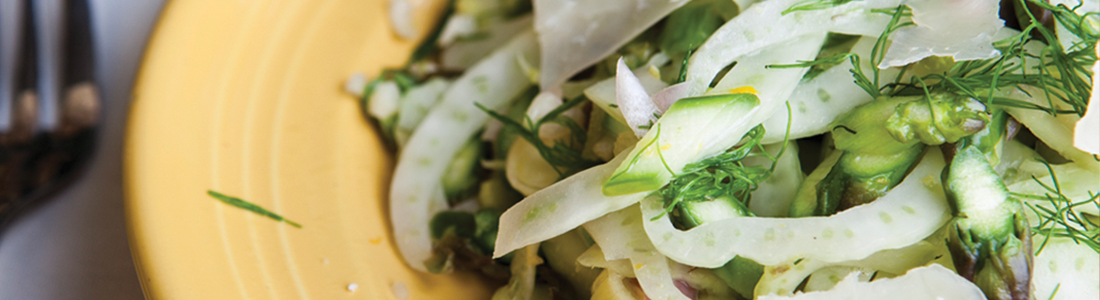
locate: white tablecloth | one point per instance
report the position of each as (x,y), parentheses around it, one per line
(75,247)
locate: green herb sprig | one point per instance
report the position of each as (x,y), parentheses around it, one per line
(724,174)
(1060,219)
(1063,75)
(869,84)
(814,5)
(249,206)
(564,155)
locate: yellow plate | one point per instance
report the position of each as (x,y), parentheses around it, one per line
(245,98)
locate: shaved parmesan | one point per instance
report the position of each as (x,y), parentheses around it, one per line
(961,29)
(581,33)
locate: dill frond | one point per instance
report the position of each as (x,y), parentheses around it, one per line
(1059,218)
(564,155)
(723,175)
(1063,75)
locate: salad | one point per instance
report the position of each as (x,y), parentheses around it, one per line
(743,149)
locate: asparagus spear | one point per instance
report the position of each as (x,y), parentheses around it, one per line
(991,243)
(880,141)
(462,240)
(461,178)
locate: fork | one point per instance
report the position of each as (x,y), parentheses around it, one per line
(49,104)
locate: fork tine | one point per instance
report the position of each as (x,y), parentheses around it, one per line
(25,100)
(15,143)
(49,16)
(78,43)
(80,103)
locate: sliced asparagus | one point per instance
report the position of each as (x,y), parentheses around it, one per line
(883,139)
(991,245)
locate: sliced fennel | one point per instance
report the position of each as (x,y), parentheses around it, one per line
(612,286)
(458,25)
(826,278)
(563,253)
(356,84)
(773,196)
(1071,268)
(526,170)
(559,208)
(1086,134)
(1075,182)
(764,24)
(817,102)
(415,104)
(620,235)
(751,70)
(669,95)
(384,100)
(522,283)
(1067,38)
(931,282)
(1055,131)
(783,279)
(654,275)
(416,193)
(603,95)
(594,258)
(465,53)
(543,104)
(633,100)
(580,33)
(910,212)
(401,18)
